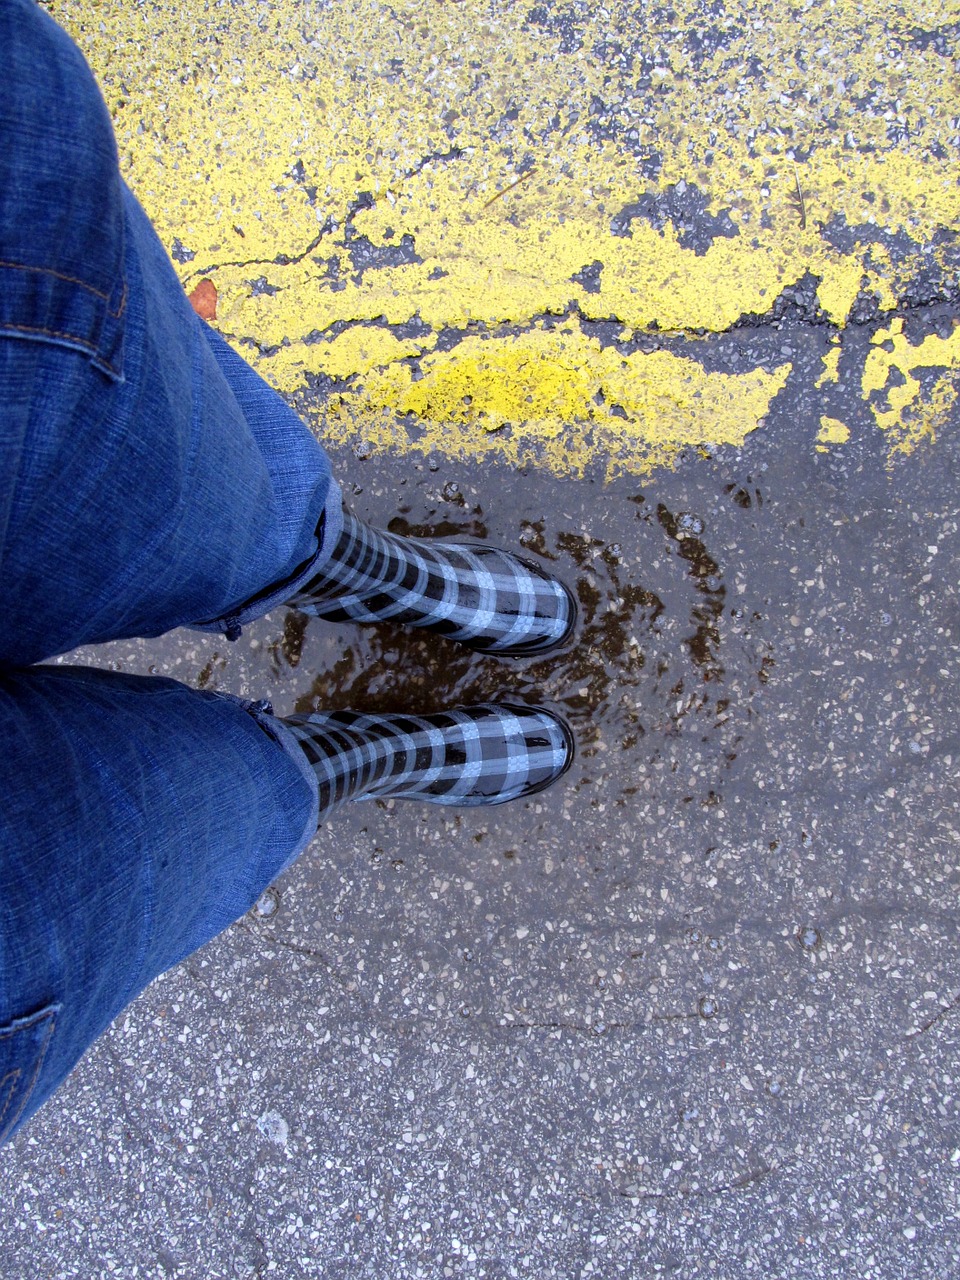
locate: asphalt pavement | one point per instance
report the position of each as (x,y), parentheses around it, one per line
(694,1011)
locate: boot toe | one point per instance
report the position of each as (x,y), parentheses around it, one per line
(518,752)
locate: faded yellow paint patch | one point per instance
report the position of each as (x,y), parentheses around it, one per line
(832,431)
(475,167)
(831,366)
(556,396)
(923,419)
(908,419)
(355,351)
(840,282)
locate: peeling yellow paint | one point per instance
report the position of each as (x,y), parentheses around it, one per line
(355,351)
(451,164)
(555,396)
(908,419)
(922,420)
(832,431)
(840,282)
(831,367)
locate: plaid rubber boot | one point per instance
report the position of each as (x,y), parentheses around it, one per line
(486,754)
(488,599)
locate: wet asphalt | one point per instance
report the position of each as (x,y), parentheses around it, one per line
(693,1012)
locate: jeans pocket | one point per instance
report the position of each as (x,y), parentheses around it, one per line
(23,1046)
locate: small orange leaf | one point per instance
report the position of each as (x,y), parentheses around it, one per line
(204,300)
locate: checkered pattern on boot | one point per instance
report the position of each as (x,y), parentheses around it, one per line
(487,599)
(481,755)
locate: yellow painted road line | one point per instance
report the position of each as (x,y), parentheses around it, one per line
(399,198)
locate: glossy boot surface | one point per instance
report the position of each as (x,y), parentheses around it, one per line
(481,755)
(490,600)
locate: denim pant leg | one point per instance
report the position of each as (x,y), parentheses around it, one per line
(148,479)
(187,494)
(143,818)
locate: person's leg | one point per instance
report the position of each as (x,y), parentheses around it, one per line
(144,467)
(139,819)
(148,477)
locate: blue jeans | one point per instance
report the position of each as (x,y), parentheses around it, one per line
(148,480)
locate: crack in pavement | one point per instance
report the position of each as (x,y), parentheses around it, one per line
(699,1193)
(312,953)
(944,1013)
(364,200)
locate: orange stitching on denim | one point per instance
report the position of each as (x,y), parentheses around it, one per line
(51,1018)
(55,333)
(50,333)
(13,1031)
(59,275)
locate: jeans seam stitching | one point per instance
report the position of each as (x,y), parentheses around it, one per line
(10,1079)
(59,275)
(52,1022)
(91,347)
